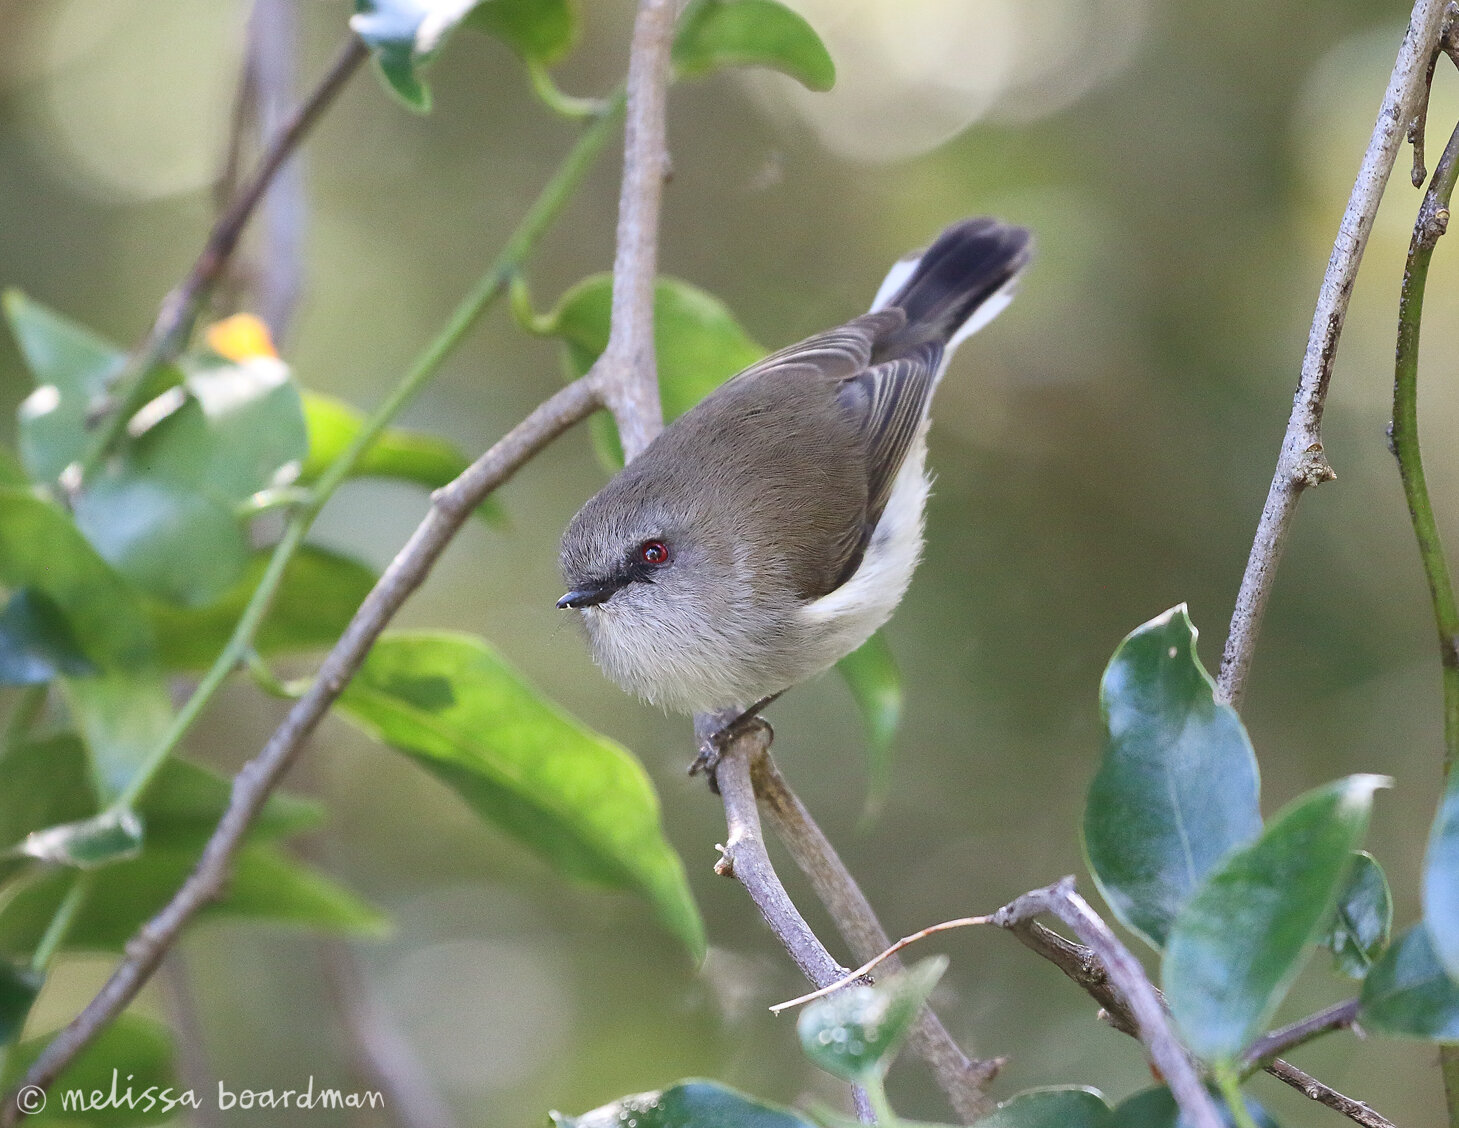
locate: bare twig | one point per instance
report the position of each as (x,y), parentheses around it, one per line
(961,1078)
(1448,43)
(1309,1086)
(1302,462)
(450,508)
(625,375)
(1339,1016)
(180,306)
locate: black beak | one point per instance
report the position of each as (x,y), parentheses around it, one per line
(589,596)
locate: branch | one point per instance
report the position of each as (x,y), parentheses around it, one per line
(1339,1016)
(1309,1086)
(963,1079)
(1302,462)
(175,316)
(450,508)
(625,375)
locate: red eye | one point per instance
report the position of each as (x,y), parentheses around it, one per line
(654,552)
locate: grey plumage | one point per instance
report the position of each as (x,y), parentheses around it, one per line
(788,504)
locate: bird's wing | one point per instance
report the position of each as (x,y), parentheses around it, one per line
(834,354)
(888,401)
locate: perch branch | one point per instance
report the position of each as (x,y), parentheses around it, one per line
(1302,462)
(625,375)
(961,1078)
(180,306)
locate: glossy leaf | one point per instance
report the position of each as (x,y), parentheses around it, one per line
(1177,786)
(1408,992)
(409,456)
(689,1104)
(575,797)
(743,33)
(855,1033)
(71,367)
(542,31)
(18,988)
(1238,944)
(1364,918)
(132,1047)
(36,643)
(1071,1106)
(265,885)
(1156,1108)
(698,342)
(1441,879)
(320,593)
(870,672)
(104,839)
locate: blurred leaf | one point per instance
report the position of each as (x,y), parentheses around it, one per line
(36,642)
(45,784)
(124,709)
(71,366)
(1441,878)
(42,550)
(1177,787)
(542,31)
(1408,994)
(1364,918)
(320,593)
(1237,945)
(689,1104)
(579,800)
(11,471)
(855,1033)
(410,456)
(1156,1108)
(698,342)
(184,803)
(18,988)
(1062,1106)
(745,33)
(165,513)
(102,840)
(265,885)
(132,1051)
(870,672)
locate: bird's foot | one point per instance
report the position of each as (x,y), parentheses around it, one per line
(717,731)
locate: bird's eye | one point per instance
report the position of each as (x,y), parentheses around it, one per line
(654,552)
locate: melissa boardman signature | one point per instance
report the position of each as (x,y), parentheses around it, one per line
(128,1093)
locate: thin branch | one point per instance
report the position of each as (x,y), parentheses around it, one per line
(1127,976)
(625,375)
(961,1078)
(450,508)
(1313,1089)
(1302,462)
(180,306)
(1339,1016)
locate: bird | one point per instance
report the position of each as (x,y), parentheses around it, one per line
(771,529)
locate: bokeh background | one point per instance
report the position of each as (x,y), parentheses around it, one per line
(1102,452)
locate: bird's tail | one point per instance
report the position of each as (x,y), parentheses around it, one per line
(957,285)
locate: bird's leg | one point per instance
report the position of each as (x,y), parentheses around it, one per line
(714,731)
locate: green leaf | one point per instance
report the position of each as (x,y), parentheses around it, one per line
(265,885)
(18,988)
(579,800)
(71,366)
(320,593)
(1408,993)
(410,456)
(1237,945)
(36,642)
(1156,1108)
(1060,1106)
(102,840)
(1364,918)
(184,803)
(870,672)
(11,472)
(746,33)
(1177,787)
(698,342)
(123,715)
(1441,878)
(46,784)
(689,1104)
(132,1053)
(541,31)
(855,1033)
